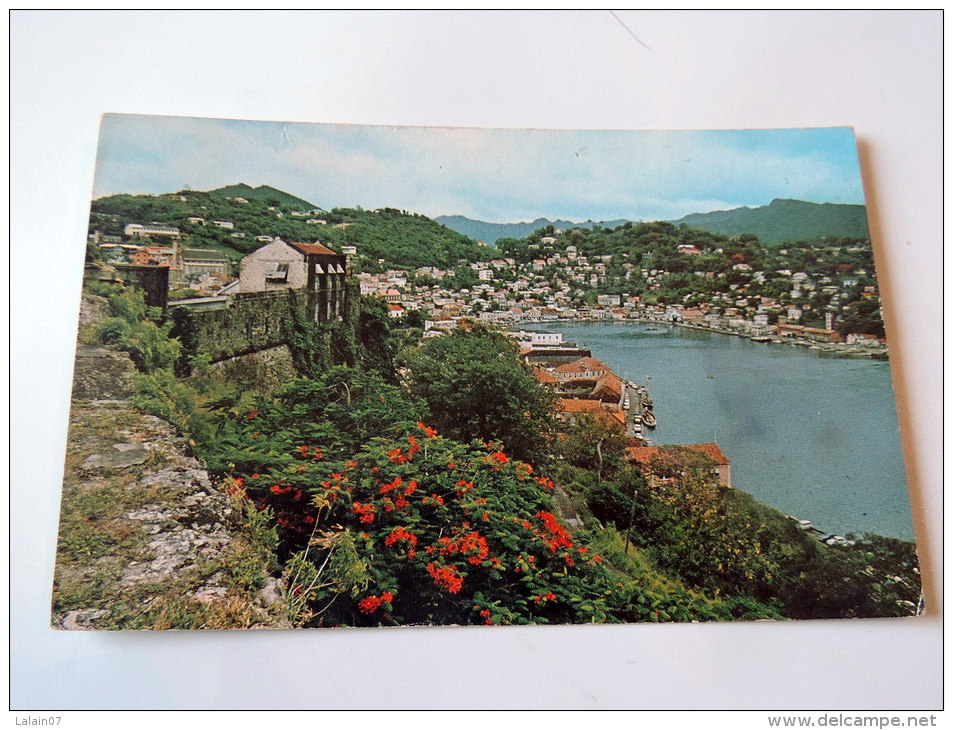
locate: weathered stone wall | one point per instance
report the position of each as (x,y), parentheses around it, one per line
(92,309)
(153,280)
(147,539)
(252,322)
(265,369)
(101,374)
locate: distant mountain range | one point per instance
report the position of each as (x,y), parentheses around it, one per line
(781,220)
(263,192)
(490,232)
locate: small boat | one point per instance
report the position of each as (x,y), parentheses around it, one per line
(648,418)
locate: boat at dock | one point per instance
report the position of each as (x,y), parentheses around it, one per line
(648,418)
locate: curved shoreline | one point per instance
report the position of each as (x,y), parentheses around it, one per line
(836,349)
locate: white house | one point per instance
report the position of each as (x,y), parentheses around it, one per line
(152,229)
(276,265)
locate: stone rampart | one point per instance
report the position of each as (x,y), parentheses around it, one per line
(251,323)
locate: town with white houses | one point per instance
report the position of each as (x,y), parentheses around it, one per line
(555,286)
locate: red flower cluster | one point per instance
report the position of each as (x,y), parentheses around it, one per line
(385,488)
(366,511)
(251,414)
(500,457)
(558,535)
(426,429)
(550,596)
(369,604)
(446,577)
(471,544)
(399,533)
(545,483)
(433,499)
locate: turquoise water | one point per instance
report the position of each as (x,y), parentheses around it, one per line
(813,436)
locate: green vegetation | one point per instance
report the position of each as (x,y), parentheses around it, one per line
(474,386)
(385,237)
(397,482)
(136,329)
(722,543)
(266,194)
(785,220)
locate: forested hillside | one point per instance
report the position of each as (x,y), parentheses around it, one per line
(386,237)
(785,220)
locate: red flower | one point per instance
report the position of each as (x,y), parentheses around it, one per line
(251,414)
(399,533)
(369,604)
(366,511)
(387,596)
(447,577)
(501,457)
(426,429)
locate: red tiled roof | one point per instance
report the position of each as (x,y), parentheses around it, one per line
(597,409)
(578,405)
(541,375)
(644,454)
(581,365)
(314,248)
(608,385)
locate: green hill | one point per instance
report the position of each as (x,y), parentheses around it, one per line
(384,237)
(263,193)
(391,237)
(785,220)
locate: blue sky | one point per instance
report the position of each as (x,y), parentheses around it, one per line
(488,174)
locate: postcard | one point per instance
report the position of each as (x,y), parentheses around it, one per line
(358,376)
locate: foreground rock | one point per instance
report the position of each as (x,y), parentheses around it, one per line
(147,541)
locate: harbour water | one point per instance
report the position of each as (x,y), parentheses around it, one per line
(813,436)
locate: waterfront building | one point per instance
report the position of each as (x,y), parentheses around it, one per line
(645,456)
